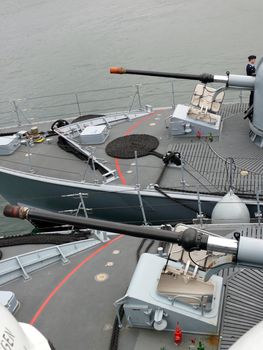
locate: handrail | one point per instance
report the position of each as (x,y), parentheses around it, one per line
(72,104)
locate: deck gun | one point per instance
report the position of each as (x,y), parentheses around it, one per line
(242,251)
(232,81)
(160,296)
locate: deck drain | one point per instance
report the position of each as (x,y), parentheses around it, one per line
(101,277)
(107,327)
(244,173)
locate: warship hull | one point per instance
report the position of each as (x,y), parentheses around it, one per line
(109,202)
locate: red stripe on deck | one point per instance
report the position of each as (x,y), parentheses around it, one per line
(138,123)
(67,277)
(128,132)
(118,168)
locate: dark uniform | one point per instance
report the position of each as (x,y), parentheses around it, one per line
(251,70)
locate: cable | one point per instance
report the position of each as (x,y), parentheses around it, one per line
(202,268)
(52,238)
(114,342)
(138,252)
(158,189)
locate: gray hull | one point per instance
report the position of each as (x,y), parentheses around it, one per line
(115,203)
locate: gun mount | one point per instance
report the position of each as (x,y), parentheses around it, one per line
(244,250)
(232,81)
(166,290)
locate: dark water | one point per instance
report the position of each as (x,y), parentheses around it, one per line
(63,46)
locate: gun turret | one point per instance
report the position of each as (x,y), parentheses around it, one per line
(231,80)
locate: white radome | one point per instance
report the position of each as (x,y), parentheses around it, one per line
(230,209)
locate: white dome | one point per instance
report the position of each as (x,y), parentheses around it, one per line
(230,209)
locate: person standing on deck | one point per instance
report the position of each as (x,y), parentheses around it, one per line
(251,70)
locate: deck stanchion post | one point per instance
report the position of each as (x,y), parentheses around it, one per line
(200,215)
(91,157)
(138,186)
(231,167)
(85,171)
(258,214)
(17,113)
(77,100)
(182,172)
(241,96)
(173,94)
(27,143)
(138,94)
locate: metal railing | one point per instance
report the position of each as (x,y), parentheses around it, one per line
(30,110)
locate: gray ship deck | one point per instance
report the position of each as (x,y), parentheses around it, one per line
(43,174)
(72,304)
(204,161)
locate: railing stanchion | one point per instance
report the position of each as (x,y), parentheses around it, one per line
(17,113)
(77,100)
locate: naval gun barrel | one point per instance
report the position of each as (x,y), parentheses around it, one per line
(244,249)
(82,222)
(231,80)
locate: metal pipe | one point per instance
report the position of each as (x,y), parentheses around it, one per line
(250,251)
(224,245)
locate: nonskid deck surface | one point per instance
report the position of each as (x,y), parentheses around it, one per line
(79,313)
(204,160)
(72,304)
